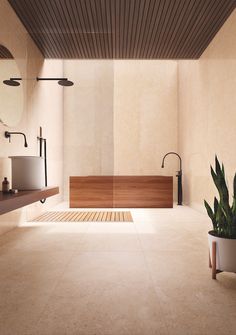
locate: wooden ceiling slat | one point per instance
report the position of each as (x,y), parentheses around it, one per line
(144,27)
(156,30)
(62,26)
(197,22)
(80,48)
(177,13)
(29,24)
(44,18)
(126,29)
(80,23)
(149,29)
(107,36)
(123,29)
(130,28)
(188,16)
(95,26)
(117,28)
(182,9)
(46,37)
(98,26)
(141,11)
(113,26)
(211,34)
(89,28)
(200,35)
(202,18)
(40,28)
(135,26)
(166,17)
(107,24)
(122,26)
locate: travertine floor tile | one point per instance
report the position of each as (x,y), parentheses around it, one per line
(119,310)
(142,278)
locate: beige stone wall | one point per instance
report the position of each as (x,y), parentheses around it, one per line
(145,117)
(120,119)
(88,119)
(43,106)
(207,114)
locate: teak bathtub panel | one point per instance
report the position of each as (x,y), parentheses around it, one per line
(91,192)
(121,191)
(142,191)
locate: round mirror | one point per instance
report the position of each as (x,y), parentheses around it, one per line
(11,92)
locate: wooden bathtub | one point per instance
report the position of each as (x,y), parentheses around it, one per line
(121,192)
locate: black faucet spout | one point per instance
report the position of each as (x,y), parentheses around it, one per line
(172,153)
(8,135)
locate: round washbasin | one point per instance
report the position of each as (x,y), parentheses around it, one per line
(27,172)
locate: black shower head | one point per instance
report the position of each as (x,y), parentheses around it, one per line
(12,82)
(65,82)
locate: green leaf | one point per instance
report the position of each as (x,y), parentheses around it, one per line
(214,176)
(223,170)
(220,183)
(234,185)
(216,204)
(210,213)
(217,166)
(209,210)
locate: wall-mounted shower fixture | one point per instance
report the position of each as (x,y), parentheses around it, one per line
(179,175)
(12,82)
(61,81)
(8,135)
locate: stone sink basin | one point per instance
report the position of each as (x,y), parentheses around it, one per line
(27,172)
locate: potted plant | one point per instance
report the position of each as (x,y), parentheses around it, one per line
(222,239)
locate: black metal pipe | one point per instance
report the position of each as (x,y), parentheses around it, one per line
(180,190)
(45,162)
(39,78)
(41,142)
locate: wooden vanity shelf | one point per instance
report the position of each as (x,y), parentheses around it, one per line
(10,202)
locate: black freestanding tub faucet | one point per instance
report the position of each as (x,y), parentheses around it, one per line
(179,176)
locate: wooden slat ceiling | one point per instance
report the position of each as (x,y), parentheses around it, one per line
(123,29)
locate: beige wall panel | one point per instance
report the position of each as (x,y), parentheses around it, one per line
(145,117)
(88,119)
(207,115)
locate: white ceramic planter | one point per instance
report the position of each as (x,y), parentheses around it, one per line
(225,253)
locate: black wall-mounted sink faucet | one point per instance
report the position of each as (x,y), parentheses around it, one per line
(8,135)
(179,176)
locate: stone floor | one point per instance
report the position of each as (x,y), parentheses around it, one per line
(142,278)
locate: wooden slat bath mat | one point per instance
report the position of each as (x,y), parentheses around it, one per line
(92,216)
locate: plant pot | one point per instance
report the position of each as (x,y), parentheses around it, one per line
(225,252)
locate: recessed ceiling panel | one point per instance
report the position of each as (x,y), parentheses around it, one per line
(123,29)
